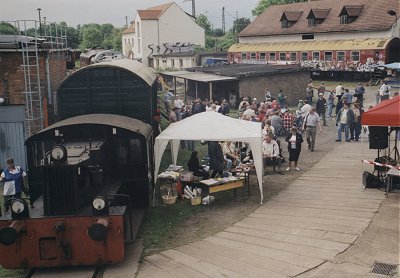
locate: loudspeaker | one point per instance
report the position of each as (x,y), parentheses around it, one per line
(371,181)
(378,137)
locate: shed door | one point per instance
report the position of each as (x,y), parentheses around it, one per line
(12,135)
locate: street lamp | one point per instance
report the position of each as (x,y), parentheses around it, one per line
(40,22)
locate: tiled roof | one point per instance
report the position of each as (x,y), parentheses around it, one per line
(154,13)
(319,13)
(149,14)
(130,29)
(292,16)
(372,17)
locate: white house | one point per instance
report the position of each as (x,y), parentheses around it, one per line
(128,41)
(161,30)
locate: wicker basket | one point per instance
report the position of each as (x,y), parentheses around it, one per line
(195,201)
(169,200)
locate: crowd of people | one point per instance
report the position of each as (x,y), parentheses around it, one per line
(277,120)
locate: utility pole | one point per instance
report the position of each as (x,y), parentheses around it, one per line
(193,7)
(223,20)
(126,21)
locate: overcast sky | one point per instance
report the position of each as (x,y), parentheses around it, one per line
(76,12)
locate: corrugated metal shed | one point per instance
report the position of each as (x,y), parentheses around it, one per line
(311,45)
(199,76)
(12,136)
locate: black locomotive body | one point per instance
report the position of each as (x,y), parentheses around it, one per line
(86,172)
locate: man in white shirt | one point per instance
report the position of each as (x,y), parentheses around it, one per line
(384,91)
(178,103)
(311,122)
(270,150)
(339,91)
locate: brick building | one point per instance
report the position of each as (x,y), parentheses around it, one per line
(340,35)
(20,69)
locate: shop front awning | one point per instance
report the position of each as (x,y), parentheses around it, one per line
(199,76)
(326,45)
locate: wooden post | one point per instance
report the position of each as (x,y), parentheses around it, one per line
(210,91)
(196,89)
(175,85)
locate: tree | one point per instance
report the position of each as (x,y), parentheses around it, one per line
(203,22)
(263,4)
(91,37)
(239,24)
(7,29)
(217,32)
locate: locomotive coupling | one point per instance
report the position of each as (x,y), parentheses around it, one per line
(8,235)
(98,231)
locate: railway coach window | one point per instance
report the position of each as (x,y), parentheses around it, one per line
(341,56)
(263,56)
(328,55)
(282,56)
(252,56)
(244,55)
(272,56)
(355,55)
(315,56)
(293,56)
(304,56)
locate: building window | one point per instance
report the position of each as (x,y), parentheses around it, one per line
(125,41)
(252,56)
(138,43)
(328,55)
(181,63)
(304,56)
(355,56)
(315,56)
(272,56)
(157,62)
(293,56)
(341,56)
(282,56)
(263,56)
(172,63)
(311,21)
(344,19)
(244,55)
(284,23)
(138,29)
(307,36)
(164,61)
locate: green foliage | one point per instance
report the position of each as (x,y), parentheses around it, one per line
(204,22)
(217,32)
(91,37)
(7,29)
(263,4)
(239,24)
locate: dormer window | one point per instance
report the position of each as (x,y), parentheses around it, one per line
(350,13)
(317,16)
(289,18)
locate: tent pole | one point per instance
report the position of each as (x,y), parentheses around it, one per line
(175,85)
(196,89)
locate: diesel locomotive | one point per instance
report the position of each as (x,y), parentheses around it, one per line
(87,171)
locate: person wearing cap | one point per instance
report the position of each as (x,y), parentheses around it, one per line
(320,107)
(310,124)
(344,119)
(13,179)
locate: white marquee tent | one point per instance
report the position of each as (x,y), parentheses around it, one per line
(211,126)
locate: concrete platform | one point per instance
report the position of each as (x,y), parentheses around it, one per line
(304,231)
